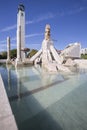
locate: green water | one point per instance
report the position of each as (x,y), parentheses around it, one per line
(45,101)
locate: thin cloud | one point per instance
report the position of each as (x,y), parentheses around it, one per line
(34,45)
(8,28)
(3,41)
(41,18)
(75,11)
(33,35)
(38,19)
(3,47)
(13,39)
(46,17)
(27,36)
(29,22)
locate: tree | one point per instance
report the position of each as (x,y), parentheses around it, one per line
(32,52)
(84,56)
(0,56)
(4,55)
(13,53)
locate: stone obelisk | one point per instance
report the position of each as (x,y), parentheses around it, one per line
(8,51)
(20,34)
(19,58)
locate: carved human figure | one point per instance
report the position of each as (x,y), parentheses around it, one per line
(51,60)
(47,32)
(47,42)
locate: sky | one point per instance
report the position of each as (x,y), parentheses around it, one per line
(67,18)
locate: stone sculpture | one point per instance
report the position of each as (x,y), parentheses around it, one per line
(48,54)
(47,32)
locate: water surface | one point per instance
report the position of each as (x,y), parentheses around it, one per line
(44,101)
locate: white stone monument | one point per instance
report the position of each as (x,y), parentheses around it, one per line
(72,51)
(20,34)
(51,60)
(8,51)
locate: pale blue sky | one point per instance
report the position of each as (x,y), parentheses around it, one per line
(67,18)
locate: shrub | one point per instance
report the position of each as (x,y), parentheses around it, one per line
(84,56)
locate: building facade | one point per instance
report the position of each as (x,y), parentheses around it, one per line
(84,51)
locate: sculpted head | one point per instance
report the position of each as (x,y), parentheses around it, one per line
(47,32)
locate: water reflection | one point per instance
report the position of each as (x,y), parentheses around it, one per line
(39,101)
(9,76)
(26,81)
(18,82)
(46,77)
(30,80)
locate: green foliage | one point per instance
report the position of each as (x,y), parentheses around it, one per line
(84,56)
(0,56)
(13,53)
(32,52)
(4,55)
